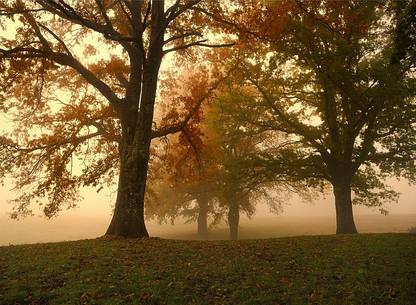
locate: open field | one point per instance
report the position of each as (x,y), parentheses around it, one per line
(362,269)
(283,226)
(35,229)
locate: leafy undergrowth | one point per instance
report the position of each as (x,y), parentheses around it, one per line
(361,269)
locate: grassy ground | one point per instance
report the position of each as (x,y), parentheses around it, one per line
(363,269)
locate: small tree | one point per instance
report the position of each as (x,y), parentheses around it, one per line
(182,176)
(216,167)
(246,177)
(182,189)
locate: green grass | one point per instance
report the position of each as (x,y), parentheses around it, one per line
(362,269)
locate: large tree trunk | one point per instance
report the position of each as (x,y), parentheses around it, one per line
(343,207)
(134,149)
(233,220)
(128,217)
(203,216)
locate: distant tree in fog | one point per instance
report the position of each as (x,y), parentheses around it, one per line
(217,173)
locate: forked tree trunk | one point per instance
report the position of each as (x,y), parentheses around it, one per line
(134,150)
(343,207)
(233,220)
(136,117)
(202,216)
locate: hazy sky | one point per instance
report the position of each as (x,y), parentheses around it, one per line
(100,204)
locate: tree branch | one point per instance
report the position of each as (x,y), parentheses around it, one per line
(297,127)
(176,10)
(200,43)
(181,125)
(103,88)
(227,22)
(65,11)
(184,35)
(57,38)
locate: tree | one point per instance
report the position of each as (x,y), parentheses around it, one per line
(245,175)
(182,176)
(191,201)
(182,185)
(215,170)
(185,184)
(338,79)
(106,109)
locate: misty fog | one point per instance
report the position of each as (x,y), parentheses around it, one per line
(91,217)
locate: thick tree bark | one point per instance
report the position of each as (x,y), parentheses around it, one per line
(233,220)
(343,207)
(203,216)
(134,149)
(128,217)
